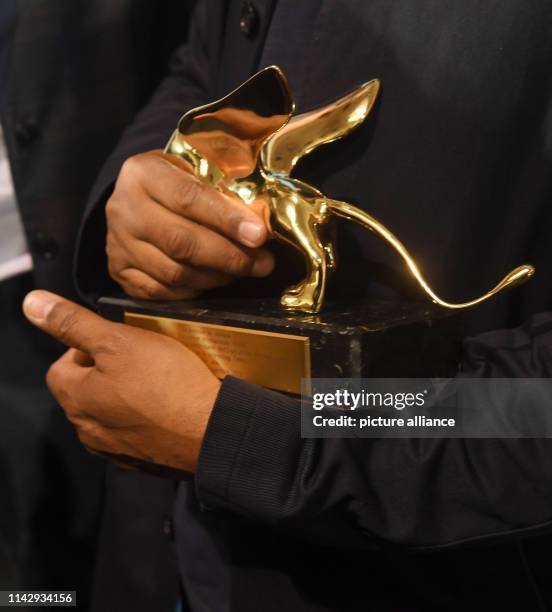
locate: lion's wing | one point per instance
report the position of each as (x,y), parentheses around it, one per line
(305,132)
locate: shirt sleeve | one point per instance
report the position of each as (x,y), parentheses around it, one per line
(421,493)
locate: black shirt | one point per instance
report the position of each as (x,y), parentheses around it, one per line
(456,159)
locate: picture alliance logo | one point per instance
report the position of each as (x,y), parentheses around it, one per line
(350,400)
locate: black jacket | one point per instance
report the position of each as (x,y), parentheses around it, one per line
(75,74)
(72,75)
(457,160)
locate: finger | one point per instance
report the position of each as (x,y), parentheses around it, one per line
(119,464)
(182,240)
(124,462)
(140,285)
(163,269)
(140,255)
(187,241)
(189,197)
(80,358)
(174,253)
(70,323)
(69,383)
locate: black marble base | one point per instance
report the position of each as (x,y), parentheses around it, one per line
(363,339)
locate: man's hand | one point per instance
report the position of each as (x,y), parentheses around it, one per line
(170,236)
(129,392)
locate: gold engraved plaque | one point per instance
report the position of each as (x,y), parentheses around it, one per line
(274,360)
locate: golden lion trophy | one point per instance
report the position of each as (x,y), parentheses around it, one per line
(246,153)
(247,145)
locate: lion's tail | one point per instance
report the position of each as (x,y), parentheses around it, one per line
(352,213)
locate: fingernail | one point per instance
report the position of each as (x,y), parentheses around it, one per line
(250,232)
(263,265)
(37,305)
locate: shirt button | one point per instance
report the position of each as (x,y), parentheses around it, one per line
(26,132)
(44,246)
(249,19)
(168,528)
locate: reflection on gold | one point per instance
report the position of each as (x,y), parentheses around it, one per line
(248,143)
(277,361)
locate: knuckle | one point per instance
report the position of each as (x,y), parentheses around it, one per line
(65,321)
(150,290)
(113,269)
(230,218)
(139,167)
(116,343)
(173,274)
(130,289)
(189,293)
(55,384)
(132,166)
(181,244)
(52,379)
(238,263)
(187,193)
(111,246)
(116,212)
(116,261)
(208,281)
(112,208)
(109,242)
(89,432)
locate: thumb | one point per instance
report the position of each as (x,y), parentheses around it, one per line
(70,323)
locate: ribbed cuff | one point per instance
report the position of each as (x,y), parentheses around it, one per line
(248,450)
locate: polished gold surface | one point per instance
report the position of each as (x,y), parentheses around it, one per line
(277,361)
(247,144)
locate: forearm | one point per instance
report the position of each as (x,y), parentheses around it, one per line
(414,492)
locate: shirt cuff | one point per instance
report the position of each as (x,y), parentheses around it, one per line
(250,449)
